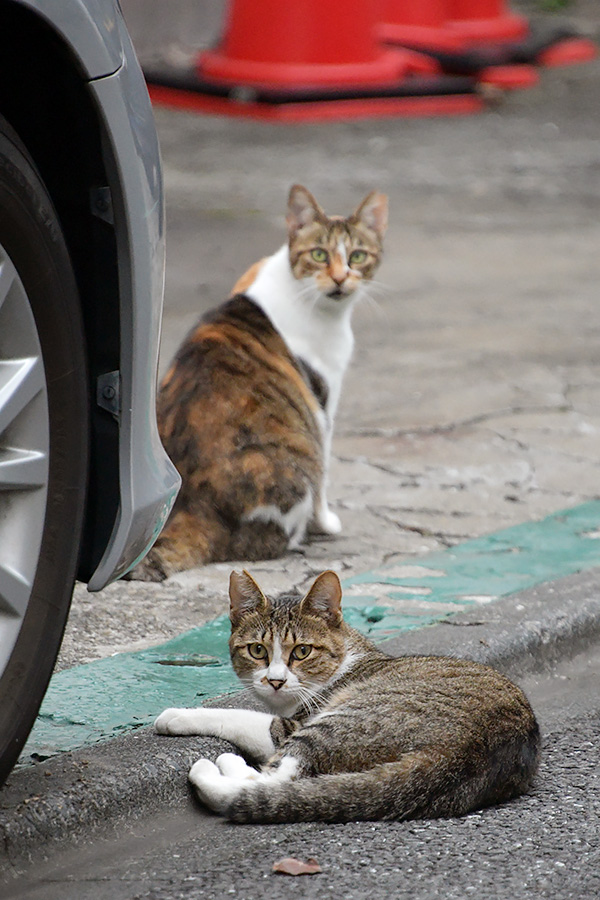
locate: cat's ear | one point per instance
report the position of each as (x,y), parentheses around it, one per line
(324,598)
(303,209)
(373,212)
(245,596)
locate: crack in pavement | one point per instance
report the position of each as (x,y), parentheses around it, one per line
(456,425)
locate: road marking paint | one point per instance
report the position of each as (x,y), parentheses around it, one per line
(99,700)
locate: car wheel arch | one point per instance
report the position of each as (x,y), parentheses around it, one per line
(46,99)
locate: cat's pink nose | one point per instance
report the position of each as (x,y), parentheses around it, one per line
(276,683)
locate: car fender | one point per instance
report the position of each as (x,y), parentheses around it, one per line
(90,27)
(148,480)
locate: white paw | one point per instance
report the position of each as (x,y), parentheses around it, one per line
(328,522)
(214,789)
(287,769)
(233,766)
(176,721)
(203,770)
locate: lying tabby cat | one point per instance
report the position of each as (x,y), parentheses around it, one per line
(246,410)
(354,733)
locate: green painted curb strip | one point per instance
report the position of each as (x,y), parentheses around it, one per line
(94,702)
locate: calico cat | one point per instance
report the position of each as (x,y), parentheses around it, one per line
(246,410)
(354,734)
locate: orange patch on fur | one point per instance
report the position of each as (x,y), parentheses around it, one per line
(248,278)
(229,334)
(168,377)
(215,333)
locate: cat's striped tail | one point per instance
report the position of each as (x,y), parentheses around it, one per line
(422,784)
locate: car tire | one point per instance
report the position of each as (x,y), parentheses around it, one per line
(44,434)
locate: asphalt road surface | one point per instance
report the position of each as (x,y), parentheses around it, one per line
(543,845)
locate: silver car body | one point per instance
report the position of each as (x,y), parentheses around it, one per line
(148,482)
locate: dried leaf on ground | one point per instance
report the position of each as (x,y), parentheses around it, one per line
(292,866)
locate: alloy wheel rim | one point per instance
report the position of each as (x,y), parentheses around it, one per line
(24,453)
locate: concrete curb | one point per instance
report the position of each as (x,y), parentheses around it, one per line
(525,632)
(76,796)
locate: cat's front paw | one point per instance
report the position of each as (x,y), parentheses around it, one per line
(218,785)
(177,722)
(207,779)
(234,766)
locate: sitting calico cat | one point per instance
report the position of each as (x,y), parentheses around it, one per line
(354,733)
(246,410)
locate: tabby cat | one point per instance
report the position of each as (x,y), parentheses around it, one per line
(354,733)
(246,410)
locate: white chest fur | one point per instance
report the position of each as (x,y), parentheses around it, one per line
(316,328)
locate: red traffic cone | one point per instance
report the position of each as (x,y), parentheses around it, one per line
(481,38)
(312,59)
(484,21)
(490,26)
(420,25)
(487,25)
(304,42)
(567,51)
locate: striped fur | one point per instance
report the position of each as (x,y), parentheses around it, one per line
(355,734)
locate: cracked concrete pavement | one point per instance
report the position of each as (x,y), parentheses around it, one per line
(473,400)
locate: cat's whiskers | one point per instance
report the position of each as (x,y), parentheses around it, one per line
(304,290)
(379,287)
(248,689)
(371,303)
(311,295)
(309,696)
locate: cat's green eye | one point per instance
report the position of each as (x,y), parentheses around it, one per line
(319,255)
(301,651)
(257,651)
(357,257)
